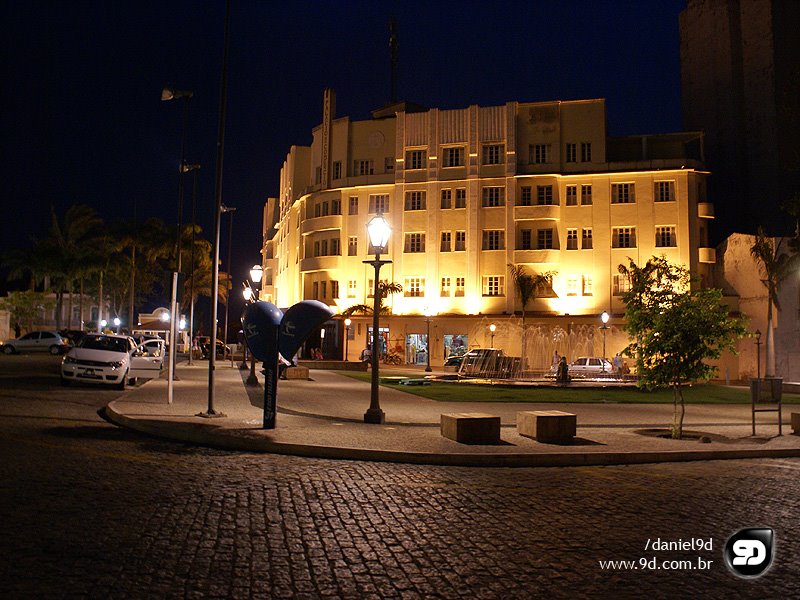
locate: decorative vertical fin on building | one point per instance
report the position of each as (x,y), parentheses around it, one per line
(328,114)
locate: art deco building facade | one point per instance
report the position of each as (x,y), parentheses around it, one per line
(469,192)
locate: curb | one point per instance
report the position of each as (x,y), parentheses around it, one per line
(214,436)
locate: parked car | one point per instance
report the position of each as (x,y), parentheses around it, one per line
(73,336)
(488,362)
(590,365)
(454,360)
(112,360)
(37,341)
(223,350)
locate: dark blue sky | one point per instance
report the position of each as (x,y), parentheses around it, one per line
(82,119)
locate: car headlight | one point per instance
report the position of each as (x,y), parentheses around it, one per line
(116,364)
(68,360)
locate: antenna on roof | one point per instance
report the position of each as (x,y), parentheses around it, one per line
(393,57)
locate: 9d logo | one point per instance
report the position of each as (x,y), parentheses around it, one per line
(749,552)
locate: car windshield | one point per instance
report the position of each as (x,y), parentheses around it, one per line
(102,342)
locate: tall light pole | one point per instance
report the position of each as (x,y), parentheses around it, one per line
(758,354)
(195,168)
(168,93)
(492,329)
(256,273)
(604,318)
(378,231)
(228,285)
(347,323)
(428,318)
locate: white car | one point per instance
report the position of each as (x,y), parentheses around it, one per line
(112,360)
(590,365)
(36,341)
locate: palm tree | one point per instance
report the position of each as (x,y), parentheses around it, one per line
(385,289)
(776,267)
(529,287)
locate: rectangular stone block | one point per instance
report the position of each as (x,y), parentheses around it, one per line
(796,423)
(296,373)
(547,426)
(471,428)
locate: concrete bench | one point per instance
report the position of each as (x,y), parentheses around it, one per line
(296,373)
(471,428)
(796,423)
(547,426)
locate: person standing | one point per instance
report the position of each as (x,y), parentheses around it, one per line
(617,363)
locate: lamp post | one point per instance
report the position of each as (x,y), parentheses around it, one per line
(604,318)
(167,94)
(378,231)
(194,168)
(228,285)
(347,323)
(256,273)
(492,329)
(117,323)
(758,354)
(428,338)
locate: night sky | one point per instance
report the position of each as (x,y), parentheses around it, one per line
(82,119)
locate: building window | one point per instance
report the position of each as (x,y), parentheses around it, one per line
(525,239)
(315,290)
(379,203)
(461,241)
(323,248)
(665,237)
(544,239)
(494,285)
(353,206)
(445,245)
(586,239)
(352,245)
(388,164)
(461,198)
(544,194)
(623,237)
(572,152)
(572,239)
(586,151)
(447,198)
(352,288)
(459,287)
(362,167)
(539,153)
(323,289)
(414,287)
(337,169)
(415,159)
(335,250)
(622,193)
(493,239)
(334,289)
(586,194)
(525,196)
(445,290)
(371,287)
(572,195)
(572,285)
(415,200)
(453,157)
(587,285)
(336,206)
(415,242)
(621,285)
(493,154)
(664,191)
(493,196)
(318,175)
(316,248)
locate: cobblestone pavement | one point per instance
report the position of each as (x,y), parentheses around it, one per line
(87,509)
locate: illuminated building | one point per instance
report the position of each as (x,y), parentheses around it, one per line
(468,192)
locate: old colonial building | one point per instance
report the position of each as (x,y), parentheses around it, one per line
(469,192)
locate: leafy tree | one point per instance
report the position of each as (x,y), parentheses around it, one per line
(776,266)
(529,287)
(26,307)
(385,289)
(676,329)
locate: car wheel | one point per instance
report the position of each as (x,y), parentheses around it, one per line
(121,384)
(55,350)
(8,349)
(132,381)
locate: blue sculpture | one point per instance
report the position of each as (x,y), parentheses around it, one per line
(269,333)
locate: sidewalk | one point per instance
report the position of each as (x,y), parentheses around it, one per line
(323,418)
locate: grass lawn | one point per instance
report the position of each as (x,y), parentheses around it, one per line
(707,393)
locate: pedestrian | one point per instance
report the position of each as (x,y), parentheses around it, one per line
(556,360)
(562,374)
(17,330)
(366,354)
(617,362)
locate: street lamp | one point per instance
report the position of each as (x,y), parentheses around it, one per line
(378,230)
(604,318)
(492,329)
(428,338)
(255,275)
(117,323)
(195,168)
(347,323)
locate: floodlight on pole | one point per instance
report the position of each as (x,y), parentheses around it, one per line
(604,318)
(492,329)
(347,323)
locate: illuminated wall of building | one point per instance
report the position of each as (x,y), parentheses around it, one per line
(470,191)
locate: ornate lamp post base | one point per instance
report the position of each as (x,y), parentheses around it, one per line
(375,416)
(211,414)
